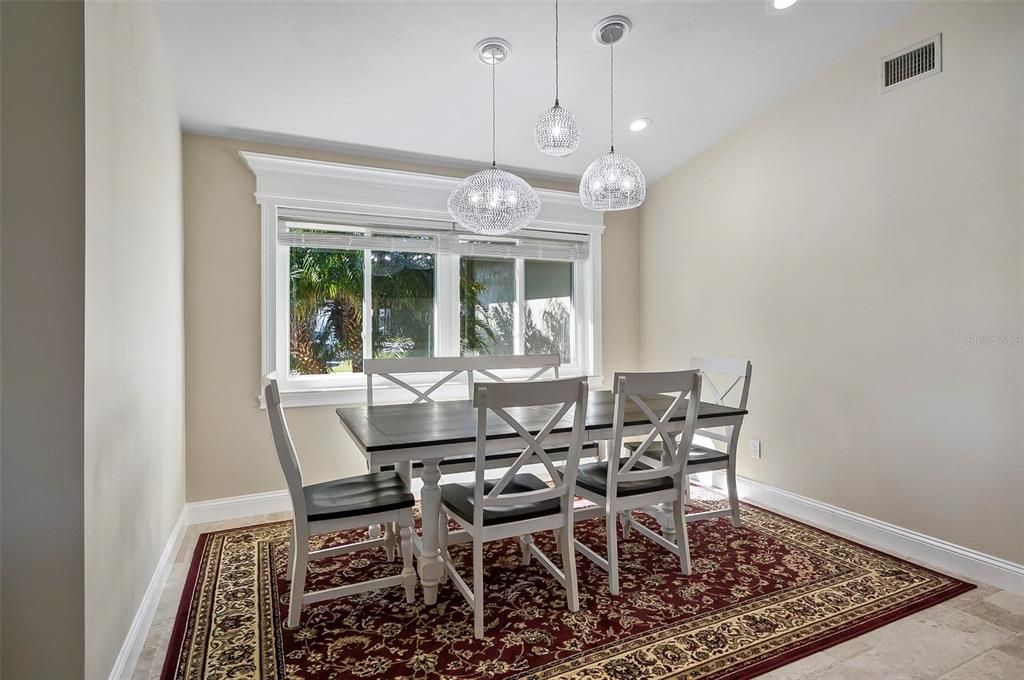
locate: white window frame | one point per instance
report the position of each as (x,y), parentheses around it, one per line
(302,184)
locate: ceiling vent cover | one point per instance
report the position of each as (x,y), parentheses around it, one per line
(912,63)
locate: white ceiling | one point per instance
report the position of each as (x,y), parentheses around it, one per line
(400,78)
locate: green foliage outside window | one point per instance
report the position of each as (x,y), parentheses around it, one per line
(326,309)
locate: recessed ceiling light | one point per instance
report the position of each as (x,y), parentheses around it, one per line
(783,4)
(639,124)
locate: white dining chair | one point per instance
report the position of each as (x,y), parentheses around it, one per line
(325,507)
(726,382)
(620,486)
(518,504)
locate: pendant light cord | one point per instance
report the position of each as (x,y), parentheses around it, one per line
(494,162)
(556,52)
(611,50)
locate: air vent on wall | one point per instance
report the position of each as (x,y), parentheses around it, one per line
(912,63)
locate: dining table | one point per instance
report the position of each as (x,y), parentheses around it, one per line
(425,434)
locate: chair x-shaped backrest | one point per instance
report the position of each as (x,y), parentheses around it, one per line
(638,390)
(735,372)
(451,367)
(558,397)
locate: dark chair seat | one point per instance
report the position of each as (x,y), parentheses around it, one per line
(459,499)
(703,454)
(556,454)
(594,478)
(699,455)
(354,496)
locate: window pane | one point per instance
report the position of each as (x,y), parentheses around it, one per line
(402,290)
(548,321)
(487,294)
(325,311)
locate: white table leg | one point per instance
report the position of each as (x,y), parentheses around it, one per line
(404,471)
(374,531)
(430,556)
(602,450)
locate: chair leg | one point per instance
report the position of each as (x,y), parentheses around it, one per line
(626,520)
(291,555)
(682,537)
(572,591)
(390,546)
(734,497)
(524,547)
(298,586)
(478,589)
(442,543)
(374,530)
(557,534)
(613,553)
(408,571)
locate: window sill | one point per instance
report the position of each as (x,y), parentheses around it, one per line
(356,395)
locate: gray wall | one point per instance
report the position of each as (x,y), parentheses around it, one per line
(42,241)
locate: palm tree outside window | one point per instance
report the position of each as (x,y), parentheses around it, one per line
(330,288)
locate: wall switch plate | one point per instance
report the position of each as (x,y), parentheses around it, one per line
(755,448)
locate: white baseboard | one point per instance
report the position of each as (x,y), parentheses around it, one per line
(124,665)
(917,547)
(220,509)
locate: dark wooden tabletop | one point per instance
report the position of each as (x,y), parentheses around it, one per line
(401,426)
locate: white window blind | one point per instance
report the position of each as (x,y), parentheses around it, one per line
(316,229)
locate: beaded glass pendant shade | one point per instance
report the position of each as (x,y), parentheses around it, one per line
(556,132)
(612,181)
(493,201)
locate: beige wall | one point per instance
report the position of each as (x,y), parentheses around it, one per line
(229,448)
(850,243)
(42,242)
(620,288)
(134,368)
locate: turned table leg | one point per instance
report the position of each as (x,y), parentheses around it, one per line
(430,557)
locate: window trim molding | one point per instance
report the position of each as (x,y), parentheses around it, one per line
(298,183)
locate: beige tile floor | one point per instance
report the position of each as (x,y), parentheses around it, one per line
(976,636)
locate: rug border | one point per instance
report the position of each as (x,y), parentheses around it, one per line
(958,587)
(177,639)
(831,640)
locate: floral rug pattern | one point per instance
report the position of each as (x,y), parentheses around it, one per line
(760,596)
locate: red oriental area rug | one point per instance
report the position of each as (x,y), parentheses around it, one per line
(760,596)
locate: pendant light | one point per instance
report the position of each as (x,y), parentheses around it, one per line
(557,133)
(493,201)
(612,181)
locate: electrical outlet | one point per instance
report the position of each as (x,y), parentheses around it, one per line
(755,448)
